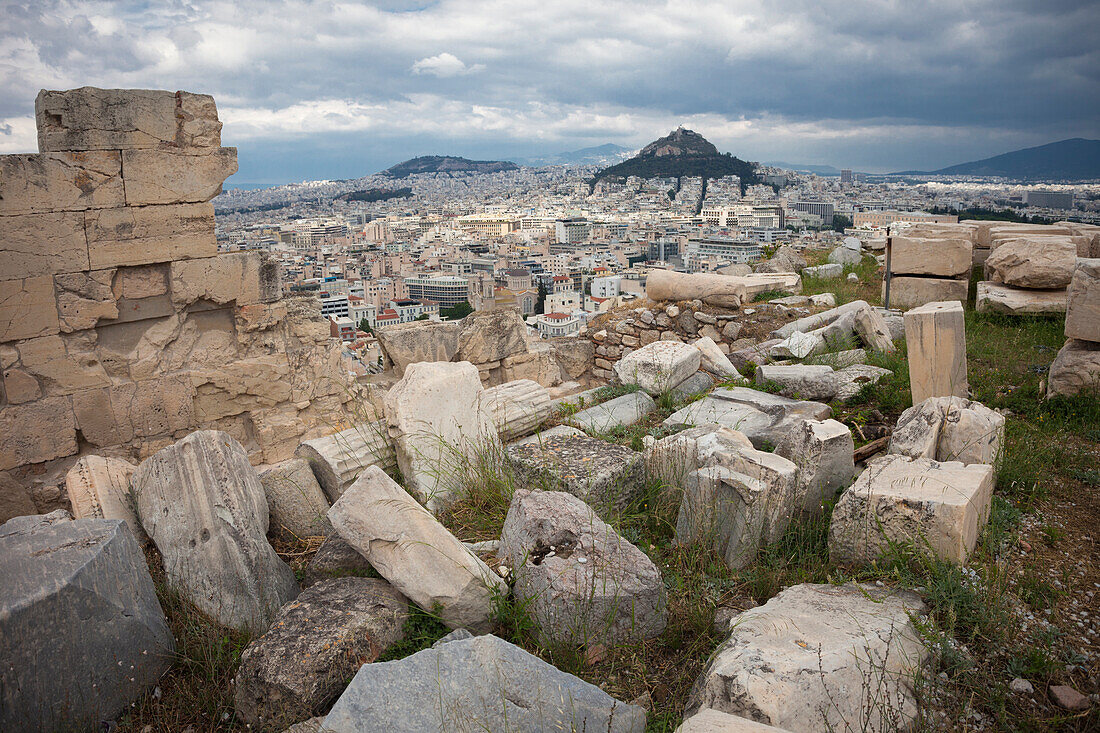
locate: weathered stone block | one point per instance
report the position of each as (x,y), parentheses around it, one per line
(803,381)
(1076,369)
(163,177)
(935,335)
(243,278)
(83,298)
(338,459)
(491,335)
(941,506)
(718,290)
(478,684)
(517,408)
(15,499)
(27,308)
(411,549)
(295,499)
(994,298)
(910,292)
(819,657)
(1083,302)
(949,429)
(950,258)
(408,343)
(153,408)
(60,365)
(99,488)
(715,721)
(125,119)
(438,426)
(51,182)
(585,585)
(316,643)
(626,409)
(601,474)
(140,235)
(36,431)
(202,503)
(822,451)
(659,367)
(81,632)
(1032,263)
(42,244)
(240,386)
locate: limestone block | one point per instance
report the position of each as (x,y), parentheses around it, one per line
(624,410)
(698,383)
(203,505)
(715,721)
(99,488)
(949,429)
(438,426)
(27,308)
(335,558)
(659,367)
(601,474)
(42,244)
(81,632)
(851,379)
(51,182)
(243,278)
(935,336)
(339,458)
(764,282)
(872,328)
(36,432)
(949,258)
(15,499)
(408,343)
(714,361)
(137,283)
(491,335)
(574,356)
(83,298)
(409,548)
(718,290)
(140,235)
(317,642)
(819,657)
(544,435)
(941,506)
(1032,263)
(539,364)
(765,419)
(845,256)
(295,499)
(478,684)
(1076,369)
(20,386)
(170,177)
(60,365)
(1083,302)
(240,386)
(910,292)
(797,346)
(124,119)
(585,585)
(516,408)
(823,452)
(995,298)
(803,381)
(149,409)
(824,272)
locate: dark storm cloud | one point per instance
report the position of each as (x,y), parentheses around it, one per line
(874,84)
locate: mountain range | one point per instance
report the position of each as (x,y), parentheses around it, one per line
(1076,159)
(681,153)
(596,155)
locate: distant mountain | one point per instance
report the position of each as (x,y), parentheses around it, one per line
(681,153)
(1076,159)
(597,155)
(821,170)
(446,164)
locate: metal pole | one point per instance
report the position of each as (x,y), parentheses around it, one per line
(889,248)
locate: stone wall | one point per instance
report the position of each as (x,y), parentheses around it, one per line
(122,328)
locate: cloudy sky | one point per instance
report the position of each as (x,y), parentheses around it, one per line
(312,90)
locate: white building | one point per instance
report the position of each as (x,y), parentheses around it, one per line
(606,287)
(553,325)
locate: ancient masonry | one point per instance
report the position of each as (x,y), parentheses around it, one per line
(122,329)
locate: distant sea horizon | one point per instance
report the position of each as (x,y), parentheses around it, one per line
(252,186)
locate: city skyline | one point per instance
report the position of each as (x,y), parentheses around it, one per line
(329,90)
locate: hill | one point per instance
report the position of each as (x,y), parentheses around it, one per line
(681,153)
(447,164)
(1076,159)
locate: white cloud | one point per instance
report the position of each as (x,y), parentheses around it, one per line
(444,65)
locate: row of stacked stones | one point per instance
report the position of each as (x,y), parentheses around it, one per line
(121,325)
(1076,369)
